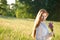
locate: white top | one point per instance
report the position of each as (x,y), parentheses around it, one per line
(41,31)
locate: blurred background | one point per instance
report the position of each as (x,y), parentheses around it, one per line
(17,18)
(29,8)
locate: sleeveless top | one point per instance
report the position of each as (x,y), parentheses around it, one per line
(41,31)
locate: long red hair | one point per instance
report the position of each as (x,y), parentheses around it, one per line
(38,20)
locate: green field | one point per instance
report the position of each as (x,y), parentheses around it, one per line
(20,29)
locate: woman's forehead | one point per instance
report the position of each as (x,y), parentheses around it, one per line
(44,14)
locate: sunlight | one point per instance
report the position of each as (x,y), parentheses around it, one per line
(10,2)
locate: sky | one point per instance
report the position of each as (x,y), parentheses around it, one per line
(10,1)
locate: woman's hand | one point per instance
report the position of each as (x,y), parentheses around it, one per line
(52,34)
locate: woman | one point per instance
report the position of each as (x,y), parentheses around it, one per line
(40,31)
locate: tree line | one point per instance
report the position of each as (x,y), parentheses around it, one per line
(30,8)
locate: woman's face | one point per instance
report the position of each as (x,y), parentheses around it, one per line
(44,16)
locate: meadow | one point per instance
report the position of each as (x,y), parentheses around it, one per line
(21,29)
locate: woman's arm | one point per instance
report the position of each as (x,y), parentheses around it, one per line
(34,33)
(36,24)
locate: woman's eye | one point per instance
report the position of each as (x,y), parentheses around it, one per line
(42,16)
